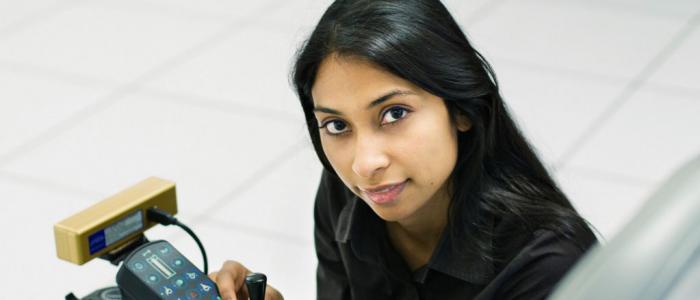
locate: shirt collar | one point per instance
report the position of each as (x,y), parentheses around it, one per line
(358,224)
(453,258)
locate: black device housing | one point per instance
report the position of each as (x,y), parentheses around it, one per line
(157,271)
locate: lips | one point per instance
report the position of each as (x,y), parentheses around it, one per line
(385,194)
(381,188)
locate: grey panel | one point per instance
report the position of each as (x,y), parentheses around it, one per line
(688,285)
(651,254)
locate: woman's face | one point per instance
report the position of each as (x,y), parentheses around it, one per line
(406,137)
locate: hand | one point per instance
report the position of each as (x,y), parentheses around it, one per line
(231,282)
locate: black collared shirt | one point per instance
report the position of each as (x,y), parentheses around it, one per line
(356,259)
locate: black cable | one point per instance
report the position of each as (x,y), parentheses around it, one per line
(71,297)
(199,243)
(165,218)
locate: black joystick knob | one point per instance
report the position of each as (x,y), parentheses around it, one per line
(256,283)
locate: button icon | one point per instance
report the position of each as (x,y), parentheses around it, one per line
(153,278)
(164,250)
(179,282)
(178,262)
(138,266)
(191,275)
(167,290)
(205,287)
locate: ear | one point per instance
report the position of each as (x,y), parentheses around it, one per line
(463,123)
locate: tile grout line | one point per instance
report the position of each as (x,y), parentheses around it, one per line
(678,90)
(279,160)
(628,91)
(480,13)
(170,11)
(205,102)
(252,180)
(58,76)
(566,72)
(598,78)
(54,186)
(177,236)
(253,231)
(37,17)
(637,9)
(607,176)
(218,104)
(120,92)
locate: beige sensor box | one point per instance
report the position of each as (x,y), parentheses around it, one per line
(113,222)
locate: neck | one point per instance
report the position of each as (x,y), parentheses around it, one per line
(424,233)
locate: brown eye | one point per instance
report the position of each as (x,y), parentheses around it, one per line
(334,127)
(396,113)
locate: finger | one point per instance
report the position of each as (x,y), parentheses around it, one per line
(212,276)
(237,270)
(226,284)
(230,280)
(272,294)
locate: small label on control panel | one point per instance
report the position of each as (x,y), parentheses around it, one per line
(115,232)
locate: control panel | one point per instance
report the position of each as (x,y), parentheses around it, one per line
(156,270)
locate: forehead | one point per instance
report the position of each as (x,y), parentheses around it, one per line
(352,80)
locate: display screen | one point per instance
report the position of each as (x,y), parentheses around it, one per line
(116,232)
(161,266)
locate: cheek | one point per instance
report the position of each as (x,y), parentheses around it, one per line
(428,148)
(337,152)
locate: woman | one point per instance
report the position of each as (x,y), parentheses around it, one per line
(429,190)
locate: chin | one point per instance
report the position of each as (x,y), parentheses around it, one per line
(391,213)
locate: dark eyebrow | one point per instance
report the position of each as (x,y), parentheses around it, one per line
(374,103)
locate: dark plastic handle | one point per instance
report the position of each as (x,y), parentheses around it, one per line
(256,284)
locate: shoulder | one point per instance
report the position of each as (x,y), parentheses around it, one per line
(547,243)
(542,261)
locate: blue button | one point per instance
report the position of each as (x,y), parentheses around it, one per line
(179,282)
(138,266)
(178,262)
(153,278)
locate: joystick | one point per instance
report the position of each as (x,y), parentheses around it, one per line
(256,284)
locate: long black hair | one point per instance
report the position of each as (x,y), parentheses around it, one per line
(497,174)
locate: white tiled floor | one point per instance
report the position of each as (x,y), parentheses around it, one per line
(683,67)
(652,135)
(97,95)
(574,35)
(243,69)
(553,125)
(140,136)
(104,42)
(28,110)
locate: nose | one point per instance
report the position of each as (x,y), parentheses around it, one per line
(370,157)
